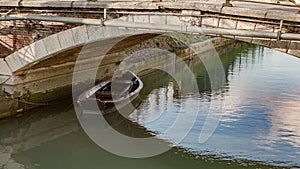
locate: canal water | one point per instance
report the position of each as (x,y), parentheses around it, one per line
(259,125)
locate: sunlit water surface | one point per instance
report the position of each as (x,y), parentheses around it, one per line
(259,106)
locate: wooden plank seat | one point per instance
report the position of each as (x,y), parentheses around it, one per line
(119,89)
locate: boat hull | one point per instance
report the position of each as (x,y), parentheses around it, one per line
(126,107)
(95,101)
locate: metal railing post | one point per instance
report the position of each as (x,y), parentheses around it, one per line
(227,3)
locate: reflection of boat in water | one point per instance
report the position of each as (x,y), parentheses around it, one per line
(114,93)
(162,80)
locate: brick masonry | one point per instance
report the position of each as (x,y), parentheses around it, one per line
(15,35)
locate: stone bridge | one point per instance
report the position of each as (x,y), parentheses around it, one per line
(41,40)
(272,25)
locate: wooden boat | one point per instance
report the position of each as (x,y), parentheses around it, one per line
(115,92)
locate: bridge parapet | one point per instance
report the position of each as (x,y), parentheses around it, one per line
(241,16)
(242,9)
(274,37)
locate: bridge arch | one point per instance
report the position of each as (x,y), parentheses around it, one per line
(61,42)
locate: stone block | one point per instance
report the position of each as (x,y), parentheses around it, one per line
(83,4)
(80,35)
(79,4)
(190,12)
(173,20)
(39,50)
(66,39)
(52,44)
(244,12)
(210,22)
(130,18)
(156,19)
(10,81)
(227,23)
(245,25)
(206,7)
(128,32)
(294,49)
(4,69)
(283,15)
(260,27)
(20,58)
(110,32)
(228,36)
(95,32)
(3,79)
(9,3)
(124,18)
(244,39)
(262,42)
(45,4)
(141,18)
(279,45)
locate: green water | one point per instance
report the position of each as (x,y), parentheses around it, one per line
(258,130)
